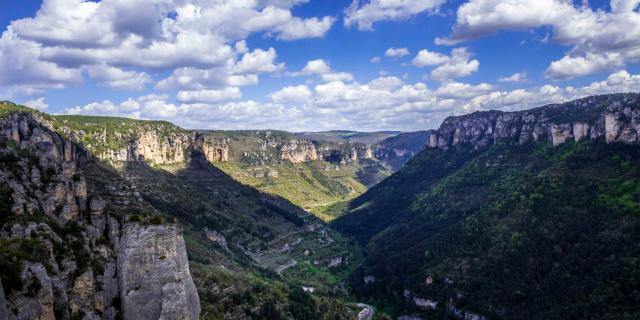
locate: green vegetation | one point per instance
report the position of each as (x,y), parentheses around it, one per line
(105,134)
(315,186)
(510,232)
(12,254)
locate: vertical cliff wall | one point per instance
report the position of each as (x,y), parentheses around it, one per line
(153,273)
(60,252)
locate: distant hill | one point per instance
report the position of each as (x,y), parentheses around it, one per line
(367,138)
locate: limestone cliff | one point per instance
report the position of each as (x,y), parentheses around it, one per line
(298,150)
(150,144)
(59,231)
(50,181)
(153,273)
(612,118)
(395,151)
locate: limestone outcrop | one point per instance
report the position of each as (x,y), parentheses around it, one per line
(51,180)
(614,120)
(150,144)
(63,248)
(298,150)
(153,273)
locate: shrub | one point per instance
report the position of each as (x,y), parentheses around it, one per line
(157,220)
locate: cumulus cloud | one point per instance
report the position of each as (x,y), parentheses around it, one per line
(258,61)
(457,90)
(458,64)
(383,103)
(428,58)
(198,79)
(209,96)
(21,66)
(321,68)
(121,43)
(299,93)
(318,66)
(386,83)
(38,104)
(117,78)
(375,60)
(517,77)
(518,99)
(365,13)
(572,66)
(337,76)
(298,28)
(396,52)
(599,40)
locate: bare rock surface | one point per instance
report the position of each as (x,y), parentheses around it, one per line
(153,273)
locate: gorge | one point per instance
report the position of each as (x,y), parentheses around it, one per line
(107,218)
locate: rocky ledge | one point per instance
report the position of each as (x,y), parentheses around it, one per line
(615,118)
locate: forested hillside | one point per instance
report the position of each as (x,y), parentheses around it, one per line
(494,222)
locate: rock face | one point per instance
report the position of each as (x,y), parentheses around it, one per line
(216,237)
(614,120)
(297,151)
(54,183)
(394,152)
(66,268)
(152,144)
(4,313)
(153,274)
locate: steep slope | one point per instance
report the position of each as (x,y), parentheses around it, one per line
(395,151)
(522,215)
(317,175)
(60,245)
(103,235)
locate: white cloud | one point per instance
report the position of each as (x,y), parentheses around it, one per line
(299,93)
(386,83)
(298,28)
(38,104)
(375,60)
(457,90)
(573,66)
(382,104)
(120,43)
(600,40)
(396,52)
(258,61)
(209,96)
(458,64)
(318,66)
(21,66)
(104,108)
(519,99)
(517,77)
(365,13)
(337,76)
(198,79)
(117,78)
(428,58)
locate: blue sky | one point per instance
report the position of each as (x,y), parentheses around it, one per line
(311,64)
